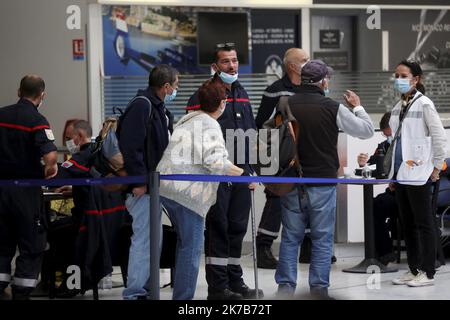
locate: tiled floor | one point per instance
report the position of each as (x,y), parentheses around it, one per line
(347,286)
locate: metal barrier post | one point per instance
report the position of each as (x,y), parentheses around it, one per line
(155,233)
(255,267)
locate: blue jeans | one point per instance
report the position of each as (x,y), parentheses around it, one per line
(318,206)
(139,259)
(190,233)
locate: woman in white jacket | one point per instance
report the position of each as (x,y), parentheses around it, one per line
(195,147)
(418,155)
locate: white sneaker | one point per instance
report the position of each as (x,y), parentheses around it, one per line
(404,279)
(421,280)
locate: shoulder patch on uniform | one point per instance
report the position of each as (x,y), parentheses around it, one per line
(49,134)
(67,164)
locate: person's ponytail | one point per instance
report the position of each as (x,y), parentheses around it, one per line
(420,87)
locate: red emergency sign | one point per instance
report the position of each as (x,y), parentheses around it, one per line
(78,49)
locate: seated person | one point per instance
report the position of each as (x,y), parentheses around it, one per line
(96,218)
(64,207)
(384,205)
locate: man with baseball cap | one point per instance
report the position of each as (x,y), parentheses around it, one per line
(320,119)
(270,223)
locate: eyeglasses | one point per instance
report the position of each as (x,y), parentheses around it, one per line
(225,45)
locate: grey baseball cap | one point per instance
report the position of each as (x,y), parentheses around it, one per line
(314,71)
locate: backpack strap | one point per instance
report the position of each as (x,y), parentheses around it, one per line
(284,113)
(283,107)
(148,129)
(146,99)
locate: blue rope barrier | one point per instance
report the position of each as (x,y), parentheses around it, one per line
(73,182)
(185,177)
(264,179)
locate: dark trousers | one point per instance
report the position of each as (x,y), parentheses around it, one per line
(61,235)
(269,226)
(226,225)
(414,204)
(23,224)
(384,208)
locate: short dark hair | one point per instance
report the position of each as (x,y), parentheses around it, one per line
(31,86)
(162,74)
(227,46)
(210,94)
(83,125)
(384,122)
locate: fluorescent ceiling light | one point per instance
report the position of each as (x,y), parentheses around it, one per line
(209,3)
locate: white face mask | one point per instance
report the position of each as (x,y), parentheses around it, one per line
(301,66)
(390,139)
(42,101)
(72,147)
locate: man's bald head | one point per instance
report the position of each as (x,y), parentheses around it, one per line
(293,60)
(295,56)
(31,86)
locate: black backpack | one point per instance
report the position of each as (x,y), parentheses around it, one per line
(285,160)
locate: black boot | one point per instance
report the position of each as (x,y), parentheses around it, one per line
(225,294)
(265,258)
(248,293)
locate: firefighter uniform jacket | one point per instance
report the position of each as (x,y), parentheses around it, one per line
(100,216)
(238,114)
(25,136)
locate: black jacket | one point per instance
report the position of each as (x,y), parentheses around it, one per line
(381,146)
(318,132)
(238,114)
(378,157)
(140,154)
(271,96)
(99,215)
(25,136)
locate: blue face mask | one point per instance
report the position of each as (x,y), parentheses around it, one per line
(228,78)
(327,92)
(402,85)
(169,97)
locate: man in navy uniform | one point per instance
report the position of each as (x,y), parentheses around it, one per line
(269,226)
(25,139)
(92,234)
(227,220)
